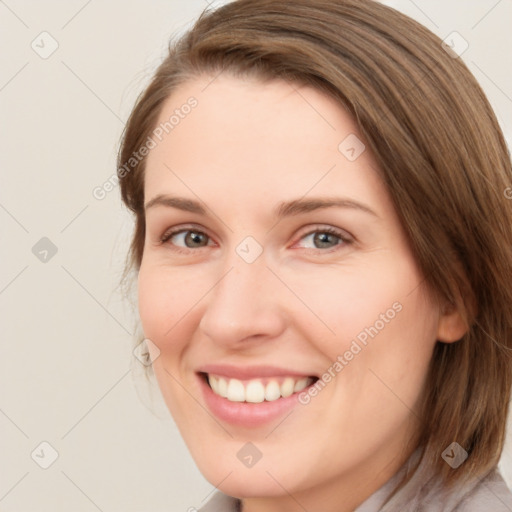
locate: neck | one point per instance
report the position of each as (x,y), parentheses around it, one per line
(343,493)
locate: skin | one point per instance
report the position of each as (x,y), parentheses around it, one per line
(245,148)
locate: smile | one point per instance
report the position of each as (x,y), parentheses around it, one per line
(253,396)
(257,390)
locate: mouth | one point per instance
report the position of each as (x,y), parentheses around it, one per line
(256,390)
(252,396)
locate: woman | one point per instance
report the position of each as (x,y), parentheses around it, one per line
(323,248)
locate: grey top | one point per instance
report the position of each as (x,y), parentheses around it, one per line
(487,494)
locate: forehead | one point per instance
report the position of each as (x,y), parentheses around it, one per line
(260,139)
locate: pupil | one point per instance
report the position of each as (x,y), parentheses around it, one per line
(194,238)
(322,239)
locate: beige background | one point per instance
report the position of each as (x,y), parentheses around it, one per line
(67,374)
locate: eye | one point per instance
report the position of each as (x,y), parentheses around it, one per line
(325,238)
(186,238)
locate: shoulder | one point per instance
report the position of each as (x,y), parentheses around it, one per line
(425,493)
(220,502)
(484,494)
(489,493)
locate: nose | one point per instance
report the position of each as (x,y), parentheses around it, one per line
(245,306)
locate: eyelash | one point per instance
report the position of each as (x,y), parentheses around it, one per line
(345,240)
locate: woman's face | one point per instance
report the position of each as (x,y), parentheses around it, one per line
(287,264)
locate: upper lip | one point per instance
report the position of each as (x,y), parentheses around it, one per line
(250,372)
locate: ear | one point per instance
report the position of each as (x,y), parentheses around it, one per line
(451,326)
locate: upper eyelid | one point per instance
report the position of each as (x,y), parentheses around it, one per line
(187,227)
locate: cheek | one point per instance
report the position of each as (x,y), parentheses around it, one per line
(165,298)
(394,322)
(379,312)
(348,300)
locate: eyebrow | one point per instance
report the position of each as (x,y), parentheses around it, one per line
(284,209)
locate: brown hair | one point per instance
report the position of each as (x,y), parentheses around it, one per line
(441,154)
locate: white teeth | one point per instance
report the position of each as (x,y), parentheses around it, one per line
(272,391)
(223,387)
(236,391)
(301,384)
(214,383)
(254,391)
(287,387)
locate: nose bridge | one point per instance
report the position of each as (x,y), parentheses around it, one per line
(241,284)
(243,302)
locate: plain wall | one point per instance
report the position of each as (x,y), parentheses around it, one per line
(67,373)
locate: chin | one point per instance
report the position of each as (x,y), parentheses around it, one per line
(264,479)
(249,486)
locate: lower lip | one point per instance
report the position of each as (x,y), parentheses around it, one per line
(244,413)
